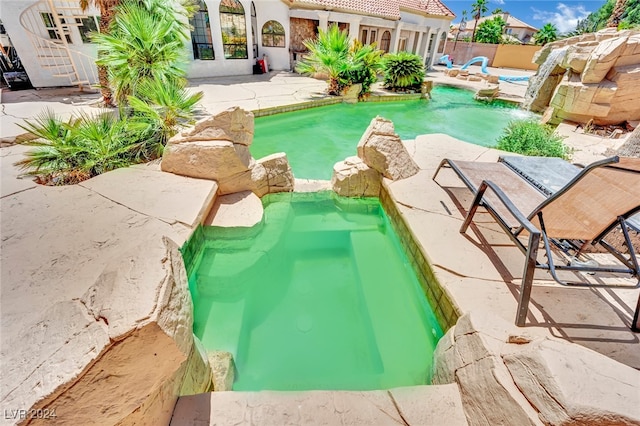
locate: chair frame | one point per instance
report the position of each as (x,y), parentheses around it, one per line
(530,250)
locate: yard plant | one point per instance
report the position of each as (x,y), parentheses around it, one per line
(403,71)
(529,137)
(345,63)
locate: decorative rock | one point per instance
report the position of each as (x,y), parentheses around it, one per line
(353,178)
(233,124)
(214,160)
(453,73)
(127,361)
(509,378)
(278,172)
(351,93)
(487,94)
(222,369)
(569,384)
(493,79)
(474,78)
(601,82)
(381,149)
(217,148)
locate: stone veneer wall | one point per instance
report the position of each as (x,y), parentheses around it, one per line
(446,312)
(301,30)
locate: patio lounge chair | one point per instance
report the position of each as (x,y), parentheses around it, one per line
(600,197)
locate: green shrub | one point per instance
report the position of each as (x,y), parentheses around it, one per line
(530,137)
(403,71)
(365,65)
(72,151)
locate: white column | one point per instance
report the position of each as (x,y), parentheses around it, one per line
(323,17)
(436,43)
(426,45)
(396,37)
(354,28)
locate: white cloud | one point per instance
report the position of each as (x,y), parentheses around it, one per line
(497,1)
(565,19)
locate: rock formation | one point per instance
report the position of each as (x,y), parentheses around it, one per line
(217,148)
(506,377)
(380,153)
(588,77)
(353,178)
(107,359)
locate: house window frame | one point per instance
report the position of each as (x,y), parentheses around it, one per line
(271,35)
(385,41)
(236,17)
(85,29)
(52,29)
(200,22)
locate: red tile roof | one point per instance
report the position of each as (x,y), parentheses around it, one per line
(383,8)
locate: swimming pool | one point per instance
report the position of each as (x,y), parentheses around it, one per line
(320,296)
(316,138)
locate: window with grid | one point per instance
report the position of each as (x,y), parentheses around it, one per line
(201,34)
(50,25)
(385,41)
(234,29)
(273,34)
(87,26)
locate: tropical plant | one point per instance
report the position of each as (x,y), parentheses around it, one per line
(365,65)
(403,71)
(546,34)
(478,9)
(106,8)
(497,11)
(72,151)
(490,31)
(146,41)
(329,54)
(529,137)
(162,107)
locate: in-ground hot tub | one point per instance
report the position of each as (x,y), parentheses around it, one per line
(319,296)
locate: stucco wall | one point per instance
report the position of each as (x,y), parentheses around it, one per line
(515,56)
(500,55)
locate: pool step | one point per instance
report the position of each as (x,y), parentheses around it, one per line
(335,221)
(414,405)
(407,333)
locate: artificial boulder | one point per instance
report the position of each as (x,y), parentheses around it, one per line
(222,369)
(217,148)
(589,77)
(507,377)
(353,178)
(381,149)
(120,354)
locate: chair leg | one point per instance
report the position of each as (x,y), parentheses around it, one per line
(635,324)
(527,279)
(474,207)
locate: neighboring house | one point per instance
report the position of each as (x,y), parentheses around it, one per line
(227,36)
(514,28)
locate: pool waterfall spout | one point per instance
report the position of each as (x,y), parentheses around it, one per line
(544,82)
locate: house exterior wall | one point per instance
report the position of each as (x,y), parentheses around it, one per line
(299,24)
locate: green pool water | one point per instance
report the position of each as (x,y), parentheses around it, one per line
(315,139)
(319,296)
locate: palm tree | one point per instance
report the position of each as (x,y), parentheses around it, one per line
(329,54)
(107,8)
(146,41)
(546,34)
(616,15)
(479,8)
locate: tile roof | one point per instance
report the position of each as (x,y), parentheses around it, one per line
(383,8)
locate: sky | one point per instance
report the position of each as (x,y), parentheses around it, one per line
(563,14)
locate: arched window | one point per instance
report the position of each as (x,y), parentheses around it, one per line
(234,29)
(201,34)
(273,34)
(385,41)
(443,40)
